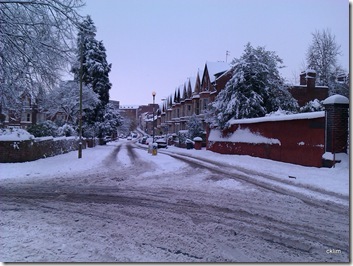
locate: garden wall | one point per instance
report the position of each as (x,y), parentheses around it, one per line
(298,139)
(29,150)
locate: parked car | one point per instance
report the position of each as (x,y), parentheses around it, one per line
(161,143)
(144,139)
(107,139)
(129,138)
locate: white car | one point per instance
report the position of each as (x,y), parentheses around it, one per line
(161,143)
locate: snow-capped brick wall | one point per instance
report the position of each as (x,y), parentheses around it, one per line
(12,151)
(298,139)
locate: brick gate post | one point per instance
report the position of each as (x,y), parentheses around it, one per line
(336,107)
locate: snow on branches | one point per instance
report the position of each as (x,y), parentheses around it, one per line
(255,89)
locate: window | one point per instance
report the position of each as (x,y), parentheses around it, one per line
(27,102)
(26,117)
(205,104)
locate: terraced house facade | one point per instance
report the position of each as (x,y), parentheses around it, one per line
(192,97)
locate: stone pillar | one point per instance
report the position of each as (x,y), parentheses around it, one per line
(336,107)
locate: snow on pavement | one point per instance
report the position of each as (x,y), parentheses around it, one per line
(52,166)
(330,179)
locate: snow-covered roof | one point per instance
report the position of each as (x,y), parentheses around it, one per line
(336,99)
(283,117)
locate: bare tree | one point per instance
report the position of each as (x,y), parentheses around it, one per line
(65,99)
(322,56)
(36,44)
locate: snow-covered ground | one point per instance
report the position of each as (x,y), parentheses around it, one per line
(120,203)
(334,179)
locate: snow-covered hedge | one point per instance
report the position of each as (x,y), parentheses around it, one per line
(15,134)
(20,146)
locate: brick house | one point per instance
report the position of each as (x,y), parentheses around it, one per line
(193,97)
(307,89)
(26,113)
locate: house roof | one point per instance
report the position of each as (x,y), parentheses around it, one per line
(216,68)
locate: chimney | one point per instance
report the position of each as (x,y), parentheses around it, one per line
(302,78)
(310,78)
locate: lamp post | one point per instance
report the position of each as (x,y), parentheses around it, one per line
(165,121)
(154,95)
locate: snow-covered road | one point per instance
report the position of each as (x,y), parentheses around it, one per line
(131,206)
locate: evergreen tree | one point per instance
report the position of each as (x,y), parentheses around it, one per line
(255,89)
(112,120)
(194,126)
(95,71)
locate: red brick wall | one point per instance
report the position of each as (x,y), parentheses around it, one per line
(29,150)
(302,141)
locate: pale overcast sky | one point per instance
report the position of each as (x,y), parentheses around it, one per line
(155,45)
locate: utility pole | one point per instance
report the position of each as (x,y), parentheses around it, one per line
(80,114)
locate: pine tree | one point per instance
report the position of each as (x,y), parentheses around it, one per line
(255,89)
(95,71)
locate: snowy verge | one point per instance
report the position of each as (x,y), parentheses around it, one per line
(329,179)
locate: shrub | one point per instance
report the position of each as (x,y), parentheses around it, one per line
(46,128)
(66,130)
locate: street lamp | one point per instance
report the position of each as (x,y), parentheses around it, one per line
(165,121)
(154,95)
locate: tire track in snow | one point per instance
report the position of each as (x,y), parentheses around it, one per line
(236,218)
(176,224)
(278,188)
(111,158)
